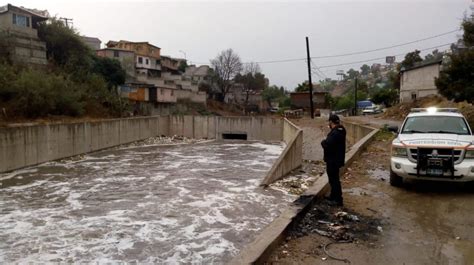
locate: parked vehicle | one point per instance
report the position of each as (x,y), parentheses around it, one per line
(433,144)
(273,109)
(371,110)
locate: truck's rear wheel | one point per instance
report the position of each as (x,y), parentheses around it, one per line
(395,180)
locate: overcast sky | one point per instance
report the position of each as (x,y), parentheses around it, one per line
(265,31)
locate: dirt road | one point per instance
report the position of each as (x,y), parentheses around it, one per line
(314,131)
(421,223)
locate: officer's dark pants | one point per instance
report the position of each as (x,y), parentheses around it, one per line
(334,182)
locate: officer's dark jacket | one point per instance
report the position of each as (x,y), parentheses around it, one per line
(335,146)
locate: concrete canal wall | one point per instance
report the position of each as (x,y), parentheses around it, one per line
(292,156)
(22,146)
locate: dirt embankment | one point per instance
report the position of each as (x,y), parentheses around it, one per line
(400,111)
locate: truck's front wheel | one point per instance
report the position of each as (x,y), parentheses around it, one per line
(395,180)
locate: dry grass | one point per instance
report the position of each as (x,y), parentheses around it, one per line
(400,111)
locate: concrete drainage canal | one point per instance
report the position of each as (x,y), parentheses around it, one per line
(198,203)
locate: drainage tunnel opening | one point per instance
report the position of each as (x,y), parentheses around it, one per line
(234,136)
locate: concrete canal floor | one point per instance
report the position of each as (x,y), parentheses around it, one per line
(158,204)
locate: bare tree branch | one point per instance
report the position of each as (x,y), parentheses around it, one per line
(227,65)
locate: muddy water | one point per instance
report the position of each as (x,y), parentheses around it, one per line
(175,204)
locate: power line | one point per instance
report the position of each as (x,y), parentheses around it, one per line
(380,58)
(349,54)
(385,48)
(318,71)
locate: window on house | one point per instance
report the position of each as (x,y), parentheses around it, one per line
(413,96)
(140,60)
(22,21)
(172,92)
(116,54)
(147,61)
(162,91)
(157,62)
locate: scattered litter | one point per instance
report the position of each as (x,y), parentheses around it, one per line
(324,222)
(372,210)
(347,216)
(333,257)
(457,238)
(327,221)
(324,258)
(379,228)
(321,232)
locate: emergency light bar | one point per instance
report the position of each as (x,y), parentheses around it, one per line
(434,110)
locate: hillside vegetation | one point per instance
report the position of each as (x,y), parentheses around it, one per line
(75,82)
(400,111)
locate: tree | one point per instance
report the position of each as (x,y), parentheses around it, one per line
(227,65)
(273,93)
(433,56)
(365,70)
(182,66)
(352,74)
(394,79)
(456,80)
(468,27)
(252,80)
(388,97)
(411,59)
(110,69)
(303,87)
(362,86)
(328,84)
(65,48)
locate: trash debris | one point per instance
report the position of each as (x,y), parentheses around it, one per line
(324,258)
(347,216)
(344,225)
(379,228)
(458,237)
(333,257)
(324,222)
(322,233)
(372,210)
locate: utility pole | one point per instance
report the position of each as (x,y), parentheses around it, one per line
(66,21)
(355,96)
(309,79)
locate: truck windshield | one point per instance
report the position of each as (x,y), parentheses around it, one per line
(436,124)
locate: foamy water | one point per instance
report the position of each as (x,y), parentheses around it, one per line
(176,204)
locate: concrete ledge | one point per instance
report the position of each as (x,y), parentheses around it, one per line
(258,251)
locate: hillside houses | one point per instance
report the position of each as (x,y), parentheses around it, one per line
(153,79)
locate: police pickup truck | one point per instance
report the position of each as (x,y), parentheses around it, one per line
(433,144)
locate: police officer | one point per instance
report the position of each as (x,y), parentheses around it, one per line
(334,155)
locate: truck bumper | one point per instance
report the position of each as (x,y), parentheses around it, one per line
(406,169)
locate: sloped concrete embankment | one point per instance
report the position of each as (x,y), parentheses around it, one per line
(291,157)
(22,146)
(260,249)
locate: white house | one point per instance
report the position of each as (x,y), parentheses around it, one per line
(419,81)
